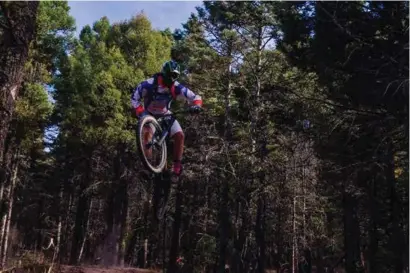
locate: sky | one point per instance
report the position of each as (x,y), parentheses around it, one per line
(162,14)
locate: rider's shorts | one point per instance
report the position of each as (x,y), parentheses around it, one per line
(175,128)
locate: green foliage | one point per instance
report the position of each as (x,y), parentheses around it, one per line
(33,110)
(34,105)
(55,28)
(142,47)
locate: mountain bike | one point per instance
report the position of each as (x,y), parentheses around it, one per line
(160,128)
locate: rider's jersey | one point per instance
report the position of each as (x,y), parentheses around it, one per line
(159,102)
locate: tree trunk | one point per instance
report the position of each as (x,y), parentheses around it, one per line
(65,235)
(79,228)
(373,226)
(85,232)
(56,254)
(5,163)
(135,238)
(223,226)
(256,93)
(66,203)
(121,205)
(81,215)
(5,236)
(3,231)
(129,254)
(39,227)
(280,215)
(9,161)
(18,32)
(260,233)
(109,248)
(397,238)
(294,242)
(228,123)
(116,214)
(351,233)
(20,18)
(173,251)
(223,210)
(122,221)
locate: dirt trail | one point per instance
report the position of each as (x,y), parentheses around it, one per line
(91,269)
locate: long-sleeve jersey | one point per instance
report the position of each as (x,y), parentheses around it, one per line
(159,102)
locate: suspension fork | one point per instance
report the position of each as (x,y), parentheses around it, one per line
(166,130)
(164,135)
(159,142)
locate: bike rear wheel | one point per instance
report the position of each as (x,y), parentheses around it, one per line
(159,164)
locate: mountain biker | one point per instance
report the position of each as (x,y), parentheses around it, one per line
(158,92)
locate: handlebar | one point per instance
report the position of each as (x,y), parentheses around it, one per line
(181,111)
(184,110)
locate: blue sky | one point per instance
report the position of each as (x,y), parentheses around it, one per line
(162,14)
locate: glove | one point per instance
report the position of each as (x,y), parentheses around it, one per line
(195,109)
(139,110)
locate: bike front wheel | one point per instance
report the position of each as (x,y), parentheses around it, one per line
(153,155)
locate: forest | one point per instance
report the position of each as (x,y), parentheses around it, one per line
(299,162)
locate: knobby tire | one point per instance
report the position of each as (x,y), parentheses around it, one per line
(141,123)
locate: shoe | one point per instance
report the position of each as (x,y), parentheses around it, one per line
(176,171)
(177,168)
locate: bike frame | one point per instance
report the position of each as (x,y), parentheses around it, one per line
(168,121)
